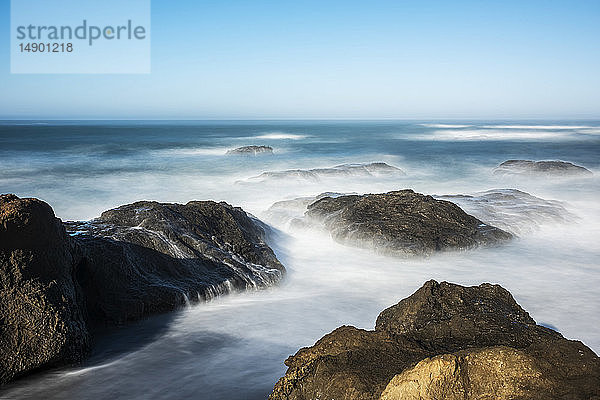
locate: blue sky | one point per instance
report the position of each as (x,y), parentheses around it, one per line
(338,59)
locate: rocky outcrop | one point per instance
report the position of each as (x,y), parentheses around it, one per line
(316,174)
(512,210)
(251,150)
(528,167)
(401,223)
(150,257)
(445,342)
(42,318)
(133,261)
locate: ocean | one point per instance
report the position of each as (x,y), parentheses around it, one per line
(234,346)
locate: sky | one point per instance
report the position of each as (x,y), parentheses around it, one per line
(337,59)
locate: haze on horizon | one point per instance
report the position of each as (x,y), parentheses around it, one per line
(343,59)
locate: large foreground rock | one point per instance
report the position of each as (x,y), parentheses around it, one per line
(42,320)
(537,168)
(445,342)
(133,261)
(401,223)
(150,257)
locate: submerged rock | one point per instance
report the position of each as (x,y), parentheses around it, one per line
(150,257)
(285,211)
(251,150)
(511,210)
(42,318)
(445,341)
(528,167)
(316,174)
(401,223)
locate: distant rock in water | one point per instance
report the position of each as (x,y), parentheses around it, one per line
(528,167)
(150,257)
(445,341)
(316,174)
(133,261)
(401,223)
(251,150)
(512,210)
(42,318)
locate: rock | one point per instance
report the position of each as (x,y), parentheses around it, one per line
(446,318)
(251,150)
(501,373)
(316,174)
(133,261)
(528,167)
(445,341)
(401,223)
(511,210)
(151,257)
(42,320)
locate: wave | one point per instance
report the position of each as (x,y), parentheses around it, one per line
(542,127)
(444,126)
(195,151)
(281,135)
(491,134)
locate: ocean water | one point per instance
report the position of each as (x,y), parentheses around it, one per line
(234,346)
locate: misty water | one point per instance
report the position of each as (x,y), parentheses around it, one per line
(234,346)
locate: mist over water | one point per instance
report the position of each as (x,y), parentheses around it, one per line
(234,346)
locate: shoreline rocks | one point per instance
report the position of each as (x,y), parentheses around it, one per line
(540,168)
(445,341)
(401,223)
(144,258)
(150,257)
(251,150)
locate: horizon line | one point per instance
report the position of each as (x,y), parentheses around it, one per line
(3,119)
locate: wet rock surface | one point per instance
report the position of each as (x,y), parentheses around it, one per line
(316,174)
(57,285)
(42,318)
(445,341)
(150,257)
(537,168)
(401,223)
(251,150)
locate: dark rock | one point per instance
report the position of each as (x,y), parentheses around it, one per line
(401,223)
(133,261)
(150,257)
(511,210)
(445,342)
(42,320)
(316,174)
(446,318)
(251,150)
(528,167)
